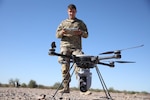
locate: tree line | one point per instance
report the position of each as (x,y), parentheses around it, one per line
(33,84)
(16,83)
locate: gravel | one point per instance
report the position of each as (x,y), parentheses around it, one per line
(48,94)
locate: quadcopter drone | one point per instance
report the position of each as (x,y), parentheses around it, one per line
(87,62)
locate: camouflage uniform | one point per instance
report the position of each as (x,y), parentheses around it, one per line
(70,43)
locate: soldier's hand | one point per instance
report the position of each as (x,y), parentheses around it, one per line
(78,32)
(64,31)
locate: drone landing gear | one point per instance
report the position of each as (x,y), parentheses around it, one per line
(108,96)
(53,97)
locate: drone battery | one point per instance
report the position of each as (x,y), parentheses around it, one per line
(83,61)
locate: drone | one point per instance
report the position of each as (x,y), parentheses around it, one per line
(87,62)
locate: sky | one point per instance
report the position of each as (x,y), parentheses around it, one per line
(27,28)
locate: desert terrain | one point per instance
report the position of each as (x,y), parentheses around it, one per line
(10,93)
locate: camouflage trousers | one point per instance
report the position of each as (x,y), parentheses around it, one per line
(65,62)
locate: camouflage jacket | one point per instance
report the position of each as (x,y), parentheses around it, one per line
(72,41)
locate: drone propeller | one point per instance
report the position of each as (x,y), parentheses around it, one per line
(120,61)
(124,61)
(119,51)
(110,52)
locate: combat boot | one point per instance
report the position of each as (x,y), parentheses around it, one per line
(65,88)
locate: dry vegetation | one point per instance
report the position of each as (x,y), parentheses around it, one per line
(33,91)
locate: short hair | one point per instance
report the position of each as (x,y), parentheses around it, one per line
(71,6)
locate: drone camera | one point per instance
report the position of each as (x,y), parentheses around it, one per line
(83,84)
(84,79)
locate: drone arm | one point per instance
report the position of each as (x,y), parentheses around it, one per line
(110,65)
(53,53)
(117,56)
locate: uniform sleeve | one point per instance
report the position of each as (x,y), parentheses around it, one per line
(58,31)
(84,29)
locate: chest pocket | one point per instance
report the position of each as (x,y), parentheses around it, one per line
(76,25)
(72,25)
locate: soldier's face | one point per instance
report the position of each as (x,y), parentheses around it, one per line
(72,13)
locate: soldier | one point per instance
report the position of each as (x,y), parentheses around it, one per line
(70,31)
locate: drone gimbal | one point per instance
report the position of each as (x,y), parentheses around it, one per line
(86,62)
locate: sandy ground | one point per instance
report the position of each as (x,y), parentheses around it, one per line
(48,94)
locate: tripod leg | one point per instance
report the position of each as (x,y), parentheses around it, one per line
(63,81)
(108,96)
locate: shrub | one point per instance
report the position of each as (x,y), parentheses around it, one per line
(41,86)
(111,89)
(32,84)
(23,85)
(56,85)
(12,82)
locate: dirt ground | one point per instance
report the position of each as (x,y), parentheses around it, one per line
(49,94)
